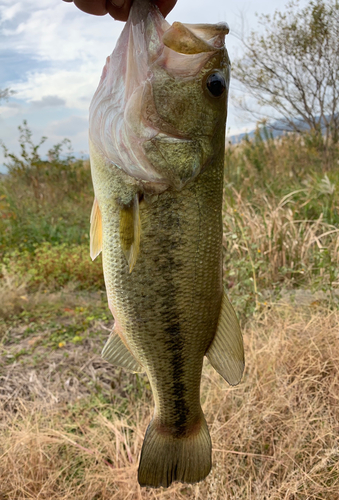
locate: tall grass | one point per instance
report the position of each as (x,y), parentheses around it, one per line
(275,167)
(281,217)
(270,248)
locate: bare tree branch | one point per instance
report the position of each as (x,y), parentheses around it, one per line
(293,68)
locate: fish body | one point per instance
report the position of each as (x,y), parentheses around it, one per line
(157,140)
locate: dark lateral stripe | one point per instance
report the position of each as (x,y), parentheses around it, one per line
(174,340)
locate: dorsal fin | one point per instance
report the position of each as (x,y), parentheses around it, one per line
(95,231)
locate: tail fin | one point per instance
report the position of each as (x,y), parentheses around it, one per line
(165,458)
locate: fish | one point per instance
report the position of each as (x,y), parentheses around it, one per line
(157,143)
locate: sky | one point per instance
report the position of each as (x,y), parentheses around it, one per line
(52,55)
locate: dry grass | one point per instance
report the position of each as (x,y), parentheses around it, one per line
(268,250)
(275,436)
(13,294)
(277,234)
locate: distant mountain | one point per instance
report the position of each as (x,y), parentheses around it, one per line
(277,129)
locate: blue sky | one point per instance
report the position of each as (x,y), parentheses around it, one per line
(52,54)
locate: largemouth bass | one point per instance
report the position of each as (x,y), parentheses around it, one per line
(157,142)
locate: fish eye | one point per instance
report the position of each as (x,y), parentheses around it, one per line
(216,84)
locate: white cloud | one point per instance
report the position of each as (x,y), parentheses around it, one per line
(8,110)
(69,127)
(70,44)
(48,101)
(55,31)
(8,12)
(74,87)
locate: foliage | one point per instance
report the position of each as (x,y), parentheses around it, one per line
(281,216)
(60,169)
(71,424)
(5,94)
(43,200)
(54,266)
(293,68)
(274,167)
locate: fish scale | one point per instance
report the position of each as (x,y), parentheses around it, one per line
(180,301)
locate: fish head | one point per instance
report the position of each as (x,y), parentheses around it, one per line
(186,100)
(160,109)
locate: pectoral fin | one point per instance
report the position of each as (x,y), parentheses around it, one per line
(226,352)
(130,232)
(95,231)
(116,353)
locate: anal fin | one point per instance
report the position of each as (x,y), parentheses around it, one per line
(116,353)
(226,353)
(130,232)
(95,231)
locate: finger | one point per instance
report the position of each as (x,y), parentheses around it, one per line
(95,7)
(119,9)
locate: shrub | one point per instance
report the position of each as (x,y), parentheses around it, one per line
(53,267)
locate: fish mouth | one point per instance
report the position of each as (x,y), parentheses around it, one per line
(183,49)
(195,38)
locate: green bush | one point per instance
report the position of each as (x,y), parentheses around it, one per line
(44,200)
(54,266)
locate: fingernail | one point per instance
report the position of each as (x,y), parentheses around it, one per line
(117,3)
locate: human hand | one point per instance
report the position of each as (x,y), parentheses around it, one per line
(119,9)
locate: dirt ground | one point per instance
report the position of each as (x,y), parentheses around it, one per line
(72,425)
